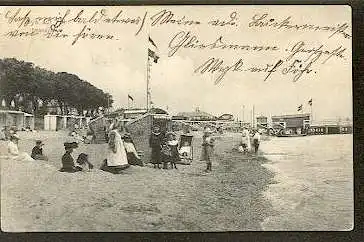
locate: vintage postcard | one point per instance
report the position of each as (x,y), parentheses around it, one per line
(176,118)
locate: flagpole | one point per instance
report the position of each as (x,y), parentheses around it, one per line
(148,81)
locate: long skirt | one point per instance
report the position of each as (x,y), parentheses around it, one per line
(206,153)
(156,155)
(113,169)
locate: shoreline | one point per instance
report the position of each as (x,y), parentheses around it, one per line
(313,187)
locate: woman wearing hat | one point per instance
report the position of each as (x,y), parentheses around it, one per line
(155,142)
(207,148)
(13,149)
(68,164)
(116,159)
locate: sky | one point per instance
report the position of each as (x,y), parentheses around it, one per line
(119,66)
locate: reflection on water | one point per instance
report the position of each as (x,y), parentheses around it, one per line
(314,182)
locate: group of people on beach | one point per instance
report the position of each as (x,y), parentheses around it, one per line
(14,153)
(248,139)
(121,151)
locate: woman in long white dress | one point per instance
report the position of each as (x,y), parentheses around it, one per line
(116,159)
(13,150)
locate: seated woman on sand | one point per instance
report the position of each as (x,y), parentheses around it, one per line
(13,150)
(68,164)
(116,159)
(131,153)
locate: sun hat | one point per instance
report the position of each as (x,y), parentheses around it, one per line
(14,136)
(208,130)
(39,142)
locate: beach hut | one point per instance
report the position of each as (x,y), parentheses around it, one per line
(59,122)
(12,118)
(29,121)
(53,122)
(141,129)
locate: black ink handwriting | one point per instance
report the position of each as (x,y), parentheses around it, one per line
(213,65)
(187,40)
(168,17)
(231,22)
(265,21)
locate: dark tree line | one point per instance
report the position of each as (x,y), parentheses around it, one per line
(33,89)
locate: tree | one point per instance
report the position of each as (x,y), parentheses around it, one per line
(28,85)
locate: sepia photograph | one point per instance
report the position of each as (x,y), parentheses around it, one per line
(176,118)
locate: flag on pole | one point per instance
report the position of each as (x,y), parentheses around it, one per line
(299,107)
(152,42)
(153,55)
(151,52)
(310,102)
(130,97)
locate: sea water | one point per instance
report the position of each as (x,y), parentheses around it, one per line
(313,185)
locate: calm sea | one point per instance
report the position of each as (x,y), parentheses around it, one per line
(313,187)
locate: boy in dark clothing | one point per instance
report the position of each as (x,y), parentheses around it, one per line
(68,164)
(37,151)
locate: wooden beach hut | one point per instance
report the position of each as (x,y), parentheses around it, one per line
(141,129)
(16,119)
(60,122)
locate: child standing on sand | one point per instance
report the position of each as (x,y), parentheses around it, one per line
(172,142)
(256,141)
(208,143)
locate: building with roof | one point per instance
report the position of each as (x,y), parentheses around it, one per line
(16,119)
(226,117)
(128,114)
(262,121)
(331,127)
(291,124)
(197,115)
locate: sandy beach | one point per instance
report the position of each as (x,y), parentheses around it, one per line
(36,197)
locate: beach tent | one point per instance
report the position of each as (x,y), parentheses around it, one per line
(141,129)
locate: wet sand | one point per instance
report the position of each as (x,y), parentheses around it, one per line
(36,197)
